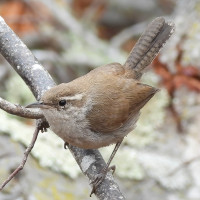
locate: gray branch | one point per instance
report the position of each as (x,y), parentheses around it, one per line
(38,80)
(19,110)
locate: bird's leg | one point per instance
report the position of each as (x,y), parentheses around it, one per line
(100,177)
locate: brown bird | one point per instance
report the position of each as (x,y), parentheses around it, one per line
(102,107)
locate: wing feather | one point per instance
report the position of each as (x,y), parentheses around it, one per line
(113,106)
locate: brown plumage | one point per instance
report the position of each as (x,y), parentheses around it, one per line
(115,97)
(102,107)
(118,98)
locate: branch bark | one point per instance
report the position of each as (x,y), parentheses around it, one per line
(38,80)
(19,110)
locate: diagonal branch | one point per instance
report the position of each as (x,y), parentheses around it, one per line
(38,80)
(20,110)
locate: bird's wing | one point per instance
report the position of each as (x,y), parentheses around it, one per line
(116,102)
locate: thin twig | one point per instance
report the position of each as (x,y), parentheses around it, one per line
(26,153)
(184,164)
(19,110)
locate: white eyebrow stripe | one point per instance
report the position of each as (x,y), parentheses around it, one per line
(75,97)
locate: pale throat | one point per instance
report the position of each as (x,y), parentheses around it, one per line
(69,119)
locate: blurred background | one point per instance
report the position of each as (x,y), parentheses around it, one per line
(161,158)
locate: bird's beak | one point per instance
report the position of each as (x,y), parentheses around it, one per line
(39,104)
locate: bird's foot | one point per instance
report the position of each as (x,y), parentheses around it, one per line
(100,177)
(65,145)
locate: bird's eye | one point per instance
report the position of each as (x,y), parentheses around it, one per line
(62,102)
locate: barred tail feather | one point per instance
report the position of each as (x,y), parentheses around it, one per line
(149,45)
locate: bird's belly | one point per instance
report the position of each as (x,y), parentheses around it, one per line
(85,138)
(78,133)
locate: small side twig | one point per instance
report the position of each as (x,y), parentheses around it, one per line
(20,110)
(26,153)
(184,164)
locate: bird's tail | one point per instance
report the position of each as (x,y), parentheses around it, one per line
(149,45)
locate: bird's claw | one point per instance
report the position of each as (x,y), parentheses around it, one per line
(97,181)
(100,177)
(113,168)
(65,145)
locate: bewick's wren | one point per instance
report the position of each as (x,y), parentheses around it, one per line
(102,107)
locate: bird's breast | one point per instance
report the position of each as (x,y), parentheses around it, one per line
(74,129)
